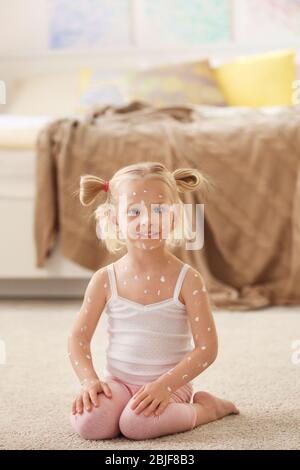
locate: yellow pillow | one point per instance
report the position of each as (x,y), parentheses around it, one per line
(176,84)
(262,80)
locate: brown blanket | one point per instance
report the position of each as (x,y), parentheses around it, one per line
(251,254)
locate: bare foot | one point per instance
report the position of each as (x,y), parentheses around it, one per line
(210,408)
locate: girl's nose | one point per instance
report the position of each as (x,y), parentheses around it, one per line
(144,220)
(144,224)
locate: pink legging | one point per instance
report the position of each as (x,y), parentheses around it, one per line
(113,415)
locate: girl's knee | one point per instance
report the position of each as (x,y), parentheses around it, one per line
(98,423)
(137,426)
(177,417)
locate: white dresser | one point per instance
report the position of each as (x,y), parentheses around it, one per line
(18,273)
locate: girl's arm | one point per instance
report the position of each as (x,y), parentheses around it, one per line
(84,326)
(204,334)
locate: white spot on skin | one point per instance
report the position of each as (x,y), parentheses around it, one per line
(160,195)
(203,348)
(195,292)
(158,292)
(203,289)
(162,279)
(184,376)
(196,275)
(134,193)
(124,282)
(189,359)
(169,389)
(135,277)
(143,246)
(148,277)
(76,363)
(145,190)
(205,364)
(145,291)
(88,356)
(105,285)
(208,329)
(169,261)
(197,319)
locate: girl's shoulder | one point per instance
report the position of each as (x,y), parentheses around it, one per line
(100,277)
(101,271)
(190,270)
(192,278)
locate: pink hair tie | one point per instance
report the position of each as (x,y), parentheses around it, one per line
(106,186)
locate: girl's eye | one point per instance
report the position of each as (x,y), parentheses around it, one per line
(133,211)
(159,209)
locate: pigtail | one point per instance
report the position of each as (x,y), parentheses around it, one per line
(90,187)
(190,179)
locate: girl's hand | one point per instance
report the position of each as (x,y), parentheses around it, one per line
(88,395)
(153,398)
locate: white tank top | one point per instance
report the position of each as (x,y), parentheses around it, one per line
(145,341)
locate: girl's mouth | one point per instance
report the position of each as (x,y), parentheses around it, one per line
(148,235)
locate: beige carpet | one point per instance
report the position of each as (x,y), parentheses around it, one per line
(254,369)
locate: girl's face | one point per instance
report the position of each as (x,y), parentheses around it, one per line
(145,212)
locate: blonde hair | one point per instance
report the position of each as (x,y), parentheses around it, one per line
(179,181)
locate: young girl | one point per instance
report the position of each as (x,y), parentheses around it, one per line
(156,306)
